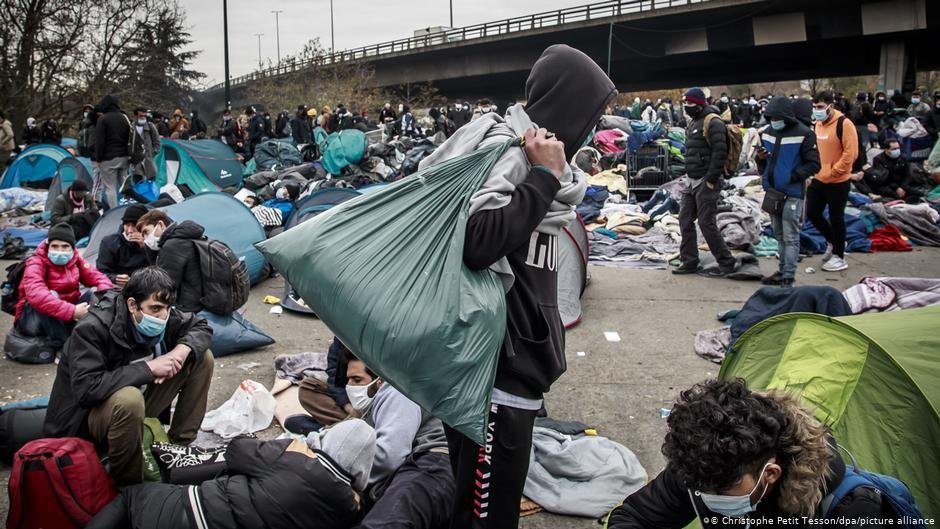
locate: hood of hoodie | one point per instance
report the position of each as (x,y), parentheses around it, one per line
(182,230)
(566,93)
(109,103)
(803,110)
(781,107)
(351,444)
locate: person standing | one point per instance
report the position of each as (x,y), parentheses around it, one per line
(7,141)
(179,126)
(112,135)
(787,157)
(300,126)
(863,115)
(86,132)
(31,133)
(50,132)
(198,127)
(387,114)
(705,154)
(256,129)
(150,137)
(838,150)
(229,131)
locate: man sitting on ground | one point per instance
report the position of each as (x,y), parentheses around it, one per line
(327,402)
(779,462)
(891,176)
(50,301)
(177,255)
(76,207)
(123,253)
(412,484)
(132,339)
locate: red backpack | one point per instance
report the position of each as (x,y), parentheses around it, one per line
(57,483)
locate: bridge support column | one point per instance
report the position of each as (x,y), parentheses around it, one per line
(897,72)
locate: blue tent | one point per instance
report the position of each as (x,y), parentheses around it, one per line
(35,167)
(69,170)
(69,142)
(224,217)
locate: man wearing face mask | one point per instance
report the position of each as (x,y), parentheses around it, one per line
(123,253)
(780,463)
(86,132)
(128,359)
(705,155)
(150,138)
(891,177)
(918,108)
(284,199)
(177,255)
(50,301)
(838,145)
(411,484)
(787,157)
(932,120)
(77,208)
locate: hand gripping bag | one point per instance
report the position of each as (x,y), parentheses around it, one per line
(385,273)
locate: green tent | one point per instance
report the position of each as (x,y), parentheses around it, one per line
(874,379)
(201,165)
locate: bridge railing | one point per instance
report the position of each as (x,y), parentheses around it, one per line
(606,9)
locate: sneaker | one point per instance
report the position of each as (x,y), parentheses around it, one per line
(827,255)
(686,268)
(835,264)
(786,283)
(772,280)
(716,273)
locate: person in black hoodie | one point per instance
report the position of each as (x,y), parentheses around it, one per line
(112,135)
(705,155)
(123,253)
(517,234)
(300,126)
(777,467)
(176,254)
(803,111)
(197,127)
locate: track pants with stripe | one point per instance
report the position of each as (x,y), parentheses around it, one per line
(490,478)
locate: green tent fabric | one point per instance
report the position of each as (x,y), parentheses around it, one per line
(342,149)
(385,273)
(200,165)
(874,379)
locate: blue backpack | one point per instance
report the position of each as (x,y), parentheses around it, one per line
(891,488)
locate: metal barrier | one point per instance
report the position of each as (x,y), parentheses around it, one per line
(610,8)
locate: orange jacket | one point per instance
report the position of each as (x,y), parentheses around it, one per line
(836,157)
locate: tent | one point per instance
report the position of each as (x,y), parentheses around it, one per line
(307,208)
(224,217)
(69,170)
(34,167)
(572,271)
(200,165)
(872,378)
(276,154)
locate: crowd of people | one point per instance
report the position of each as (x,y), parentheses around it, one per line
(134,343)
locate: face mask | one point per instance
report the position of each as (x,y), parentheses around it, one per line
(359,395)
(724,99)
(881,98)
(693,110)
(778,124)
(60,258)
(282,193)
(141,121)
(152,242)
(915,100)
(85,115)
(736,506)
(894,153)
(150,326)
(820,114)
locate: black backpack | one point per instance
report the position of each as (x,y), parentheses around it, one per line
(862,159)
(19,426)
(225,282)
(11,287)
(135,144)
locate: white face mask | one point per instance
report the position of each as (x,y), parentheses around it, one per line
(359,395)
(282,193)
(152,241)
(734,506)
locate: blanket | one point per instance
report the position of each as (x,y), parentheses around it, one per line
(916,224)
(769,301)
(877,294)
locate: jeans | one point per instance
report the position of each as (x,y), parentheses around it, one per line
(420,496)
(786,227)
(111,175)
(819,196)
(701,204)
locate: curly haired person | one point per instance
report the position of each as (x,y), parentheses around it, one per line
(737,457)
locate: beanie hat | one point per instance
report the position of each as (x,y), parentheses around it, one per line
(351,444)
(695,95)
(133,213)
(79,186)
(61,232)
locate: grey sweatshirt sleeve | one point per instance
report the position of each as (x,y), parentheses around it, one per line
(396,420)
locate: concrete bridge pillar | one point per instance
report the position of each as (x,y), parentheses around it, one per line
(897,72)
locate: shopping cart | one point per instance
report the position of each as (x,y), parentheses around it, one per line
(648,168)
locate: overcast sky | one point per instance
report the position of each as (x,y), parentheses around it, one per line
(357,22)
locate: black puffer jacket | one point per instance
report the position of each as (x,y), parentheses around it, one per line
(179,257)
(706,158)
(112,131)
(97,360)
(271,487)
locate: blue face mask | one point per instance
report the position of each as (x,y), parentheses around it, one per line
(778,124)
(820,114)
(735,506)
(915,100)
(150,326)
(894,153)
(60,258)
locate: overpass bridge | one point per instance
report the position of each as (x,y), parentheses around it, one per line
(648,44)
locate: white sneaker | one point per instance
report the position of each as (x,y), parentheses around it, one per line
(827,255)
(835,264)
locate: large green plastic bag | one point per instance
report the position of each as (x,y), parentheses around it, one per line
(342,149)
(385,273)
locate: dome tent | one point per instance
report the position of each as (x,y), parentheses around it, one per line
(199,165)
(35,167)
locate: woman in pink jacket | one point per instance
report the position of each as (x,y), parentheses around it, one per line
(49,298)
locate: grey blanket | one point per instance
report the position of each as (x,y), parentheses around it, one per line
(917,227)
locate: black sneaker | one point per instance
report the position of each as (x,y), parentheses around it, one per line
(773,280)
(716,273)
(686,268)
(786,283)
